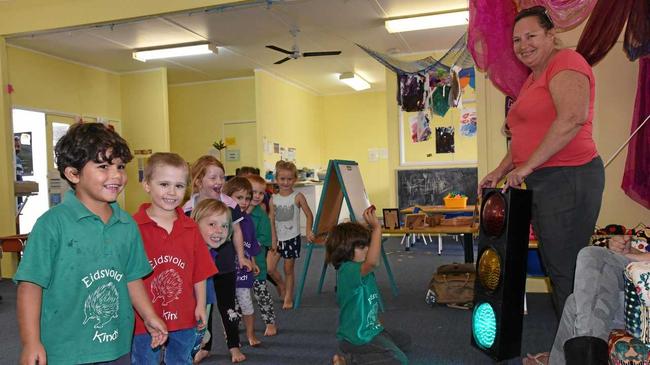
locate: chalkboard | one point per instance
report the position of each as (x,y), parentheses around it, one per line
(429,186)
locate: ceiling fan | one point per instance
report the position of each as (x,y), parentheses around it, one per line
(295,51)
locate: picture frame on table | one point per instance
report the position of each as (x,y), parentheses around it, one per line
(391,218)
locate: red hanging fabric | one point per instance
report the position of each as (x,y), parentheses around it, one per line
(603,28)
(637,32)
(636,178)
(489,40)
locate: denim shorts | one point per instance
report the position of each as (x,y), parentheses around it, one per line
(178,348)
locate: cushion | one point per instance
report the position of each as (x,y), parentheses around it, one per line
(625,349)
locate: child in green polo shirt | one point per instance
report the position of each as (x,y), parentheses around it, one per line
(354,252)
(82,267)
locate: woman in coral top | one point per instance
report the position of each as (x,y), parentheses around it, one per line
(552,148)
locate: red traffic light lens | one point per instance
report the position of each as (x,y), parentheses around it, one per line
(493,216)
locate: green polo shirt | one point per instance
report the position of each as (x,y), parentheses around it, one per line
(263,235)
(83,266)
(358,300)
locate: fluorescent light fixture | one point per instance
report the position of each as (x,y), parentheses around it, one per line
(429,21)
(177,50)
(354,81)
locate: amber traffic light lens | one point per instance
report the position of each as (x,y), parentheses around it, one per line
(493,216)
(489,269)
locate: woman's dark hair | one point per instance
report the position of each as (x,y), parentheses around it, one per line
(247,170)
(342,241)
(84,142)
(540,13)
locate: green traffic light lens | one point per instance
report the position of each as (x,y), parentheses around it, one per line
(484,325)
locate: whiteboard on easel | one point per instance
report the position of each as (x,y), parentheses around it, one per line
(354,190)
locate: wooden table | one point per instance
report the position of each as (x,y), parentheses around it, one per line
(466,231)
(440,209)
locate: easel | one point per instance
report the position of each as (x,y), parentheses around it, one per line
(343,180)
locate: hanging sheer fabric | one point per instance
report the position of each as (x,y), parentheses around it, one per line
(565,14)
(637,33)
(603,28)
(490,43)
(636,178)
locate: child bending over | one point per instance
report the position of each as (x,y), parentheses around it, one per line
(215,224)
(285,227)
(208,177)
(80,276)
(354,252)
(180,260)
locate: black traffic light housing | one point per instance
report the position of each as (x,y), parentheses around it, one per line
(500,286)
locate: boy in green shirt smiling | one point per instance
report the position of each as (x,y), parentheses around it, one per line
(82,267)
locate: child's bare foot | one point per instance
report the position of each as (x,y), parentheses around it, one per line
(338,360)
(200,356)
(271,330)
(236,355)
(253,341)
(288,304)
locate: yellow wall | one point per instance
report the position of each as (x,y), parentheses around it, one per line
(352,124)
(145,123)
(47,83)
(197,113)
(289,115)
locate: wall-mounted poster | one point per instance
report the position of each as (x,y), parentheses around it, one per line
(23,149)
(445,140)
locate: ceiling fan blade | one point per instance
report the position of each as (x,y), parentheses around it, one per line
(282,61)
(275,48)
(325,53)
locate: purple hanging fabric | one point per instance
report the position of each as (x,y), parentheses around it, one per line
(637,32)
(636,178)
(566,14)
(489,40)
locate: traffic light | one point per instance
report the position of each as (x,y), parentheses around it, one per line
(501,272)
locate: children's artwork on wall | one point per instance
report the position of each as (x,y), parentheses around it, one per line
(468,122)
(445,140)
(276,148)
(411,95)
(420,129)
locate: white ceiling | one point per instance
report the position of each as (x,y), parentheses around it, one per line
(241,32)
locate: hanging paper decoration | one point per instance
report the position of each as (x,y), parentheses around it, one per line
(436,73)
(445,140)
(603,28)
(490,43)
(636,183)
(411,92)
(420,129)
(565,14)
(637,32)
(468,122)
(438,102)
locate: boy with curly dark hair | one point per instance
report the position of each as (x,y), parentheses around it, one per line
(82,267)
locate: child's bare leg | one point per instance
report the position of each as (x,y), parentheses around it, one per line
(288,276)
(249,323)
(271,330)
(236,355)
(272,270)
